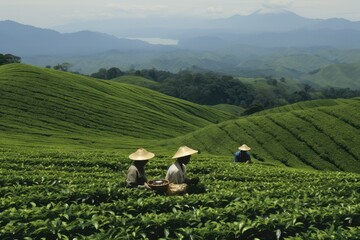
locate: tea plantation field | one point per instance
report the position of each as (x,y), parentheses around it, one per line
(51,109)
(57,195)
(54,104)
(322,134)
(65,138)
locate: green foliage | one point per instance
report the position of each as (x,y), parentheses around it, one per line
(336,76)
(63,66)
(204,88)
(137,80)
(62,108)
(208,88)
(305,105)
(340,93)
(111,73)
(58,110)
(234,110)
(65,138)
(9,58)
(56,195)
(320,134)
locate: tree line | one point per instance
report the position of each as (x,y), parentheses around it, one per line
(206,88)
(9,58)
(210,88)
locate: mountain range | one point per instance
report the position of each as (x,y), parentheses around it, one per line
(259,29)
(184,28)
(261,44)
(25,40)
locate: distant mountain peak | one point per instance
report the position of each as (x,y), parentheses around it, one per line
(269,11)
(264,14)
(276,13)
(25,40)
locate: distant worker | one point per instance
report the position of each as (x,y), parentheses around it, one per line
(176,173)
(243,154)
(136,176)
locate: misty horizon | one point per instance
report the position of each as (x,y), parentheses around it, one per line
(47,14)
(279,42)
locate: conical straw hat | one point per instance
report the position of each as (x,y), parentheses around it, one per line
(244,147)
(141,154)
(184,151)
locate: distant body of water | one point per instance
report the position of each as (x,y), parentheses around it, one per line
(162,41)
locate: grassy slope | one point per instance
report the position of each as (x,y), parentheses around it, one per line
(136,80)
(234,110)
(58,194)
(63,108)
(303,106)
(318,134)
(43,107)
(338,76)
(292,65)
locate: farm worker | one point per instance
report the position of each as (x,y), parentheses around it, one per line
(243,154)
(136,176)
(177,172)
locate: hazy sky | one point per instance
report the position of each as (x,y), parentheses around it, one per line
(49,13)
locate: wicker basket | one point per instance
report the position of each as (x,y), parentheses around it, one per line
(159,185)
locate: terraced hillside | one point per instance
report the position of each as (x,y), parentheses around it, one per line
(304,105)
(64,141)
(321,134)
(137,80)
(43,106)
(47,108)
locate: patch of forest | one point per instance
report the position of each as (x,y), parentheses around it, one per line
(211,88)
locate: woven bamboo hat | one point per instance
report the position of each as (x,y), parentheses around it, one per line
(184,151)
(244,147)
(141,154)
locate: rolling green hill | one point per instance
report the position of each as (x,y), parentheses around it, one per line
(47,108)
(321,134)
(67,109)
(304,105)
(136,80)
(337,76)
(265,87)
(233,109)
(289,65)
(64,145)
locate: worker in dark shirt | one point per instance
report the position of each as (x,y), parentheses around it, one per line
(243,154)
(136,176)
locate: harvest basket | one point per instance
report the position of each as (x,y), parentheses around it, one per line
(159,185)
